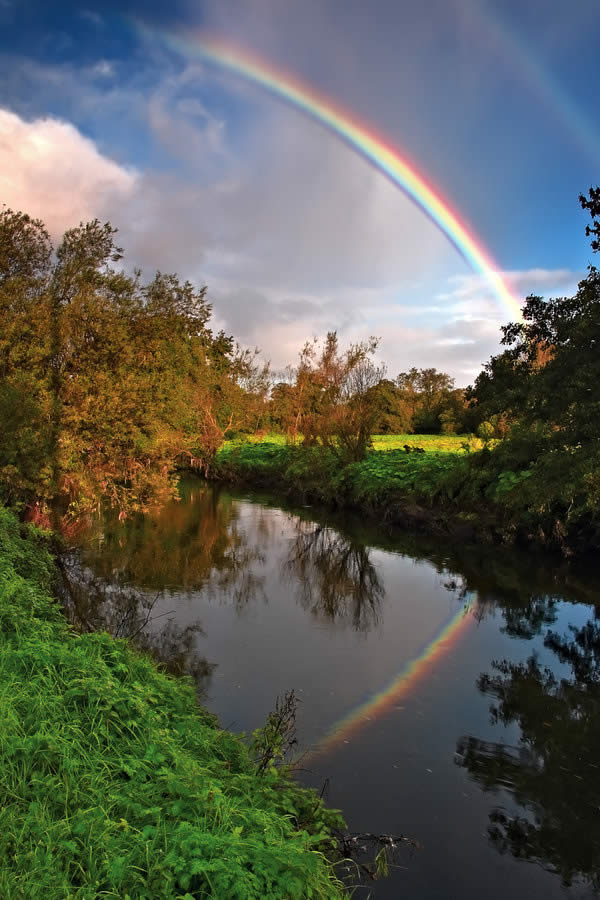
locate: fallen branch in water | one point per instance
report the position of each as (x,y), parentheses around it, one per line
(351,844)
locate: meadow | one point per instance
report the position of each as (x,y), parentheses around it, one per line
(386,473)
(442,443)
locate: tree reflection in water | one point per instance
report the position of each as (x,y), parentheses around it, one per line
(189,545)
(554,774)
(335,577)
(95,604)
(192,545)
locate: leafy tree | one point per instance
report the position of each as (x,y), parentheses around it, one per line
(331,401)
(394,412)
(119,381)
(592,203)
(434,404)
(547,377)
(282,406)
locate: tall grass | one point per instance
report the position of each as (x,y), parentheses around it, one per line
(115,783)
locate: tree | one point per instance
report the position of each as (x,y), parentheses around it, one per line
(332,404)
(546,380)
(282,407)
(432,400)
(394,412)
(108,383)
(592,203)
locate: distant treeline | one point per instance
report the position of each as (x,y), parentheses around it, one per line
(422,401)
(109,385)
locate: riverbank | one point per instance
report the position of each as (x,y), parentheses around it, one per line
(470,496)
(116,783)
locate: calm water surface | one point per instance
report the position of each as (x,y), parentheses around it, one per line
(449,694)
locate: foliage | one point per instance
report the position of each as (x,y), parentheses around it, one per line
(422,400)
(271,744)
(554,499)
(547,377)
(433,403)
(381,477)
(115,783)
(592,203)
(331,401)
(108,383)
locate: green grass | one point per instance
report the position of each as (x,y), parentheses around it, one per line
(385,472)
(115,783)
(443,443)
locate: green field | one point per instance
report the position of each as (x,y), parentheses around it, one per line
(441,443)
(388,470)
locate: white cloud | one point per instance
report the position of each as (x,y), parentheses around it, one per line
(92,17)
(102,69)
(50,170)
(182,123)
(471,296)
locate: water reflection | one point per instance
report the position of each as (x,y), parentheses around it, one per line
(193,544)
(94,603)
(554,773)
(331,631)
(335,578)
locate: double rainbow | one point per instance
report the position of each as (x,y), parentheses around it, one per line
(365,141)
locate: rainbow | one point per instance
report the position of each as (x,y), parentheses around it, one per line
(362,139)
(488,22)
(402,684)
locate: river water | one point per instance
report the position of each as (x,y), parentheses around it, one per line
(446,693)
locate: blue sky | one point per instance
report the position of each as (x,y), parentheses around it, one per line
(295,234)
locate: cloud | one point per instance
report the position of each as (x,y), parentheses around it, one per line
(94,18)
(50,170)
(470,295)
(182,123)
(459,347)
(103,69)
(294,234)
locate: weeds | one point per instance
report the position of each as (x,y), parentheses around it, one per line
(115,783)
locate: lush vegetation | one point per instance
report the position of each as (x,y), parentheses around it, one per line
(107,383)
(110,385)
(451,483)
(115,783)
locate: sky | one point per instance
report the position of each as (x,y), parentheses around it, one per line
(109,110)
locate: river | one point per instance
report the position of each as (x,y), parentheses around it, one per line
(450,694)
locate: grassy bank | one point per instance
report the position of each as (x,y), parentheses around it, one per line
(115,783)
(456,486)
